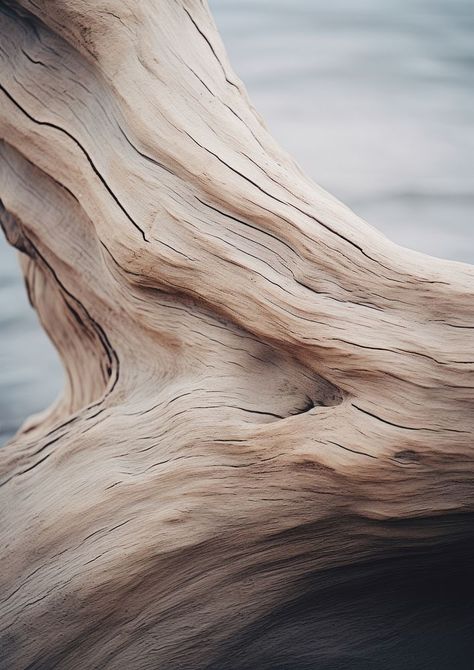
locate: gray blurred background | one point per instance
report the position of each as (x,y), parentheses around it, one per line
(375,98)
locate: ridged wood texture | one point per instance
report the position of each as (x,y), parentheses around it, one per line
(264,399)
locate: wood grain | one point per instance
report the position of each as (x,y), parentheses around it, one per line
(268,414)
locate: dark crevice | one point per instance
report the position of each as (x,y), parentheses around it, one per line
(398,425)
(248,225)
(89,159)
(407,456)
(353,451)
(284,261)
(214,95)
(145,156)
(452,325)
(32,60)
(289,204)
(402,351)
(16,236)
(307,407)
(17,474)
(206,39)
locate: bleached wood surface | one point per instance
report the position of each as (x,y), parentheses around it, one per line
(261,388)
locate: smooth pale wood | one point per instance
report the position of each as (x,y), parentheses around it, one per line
(261,389)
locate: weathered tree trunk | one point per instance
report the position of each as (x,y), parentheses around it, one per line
(263,453)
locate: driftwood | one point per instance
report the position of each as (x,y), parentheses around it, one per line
(263,454)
